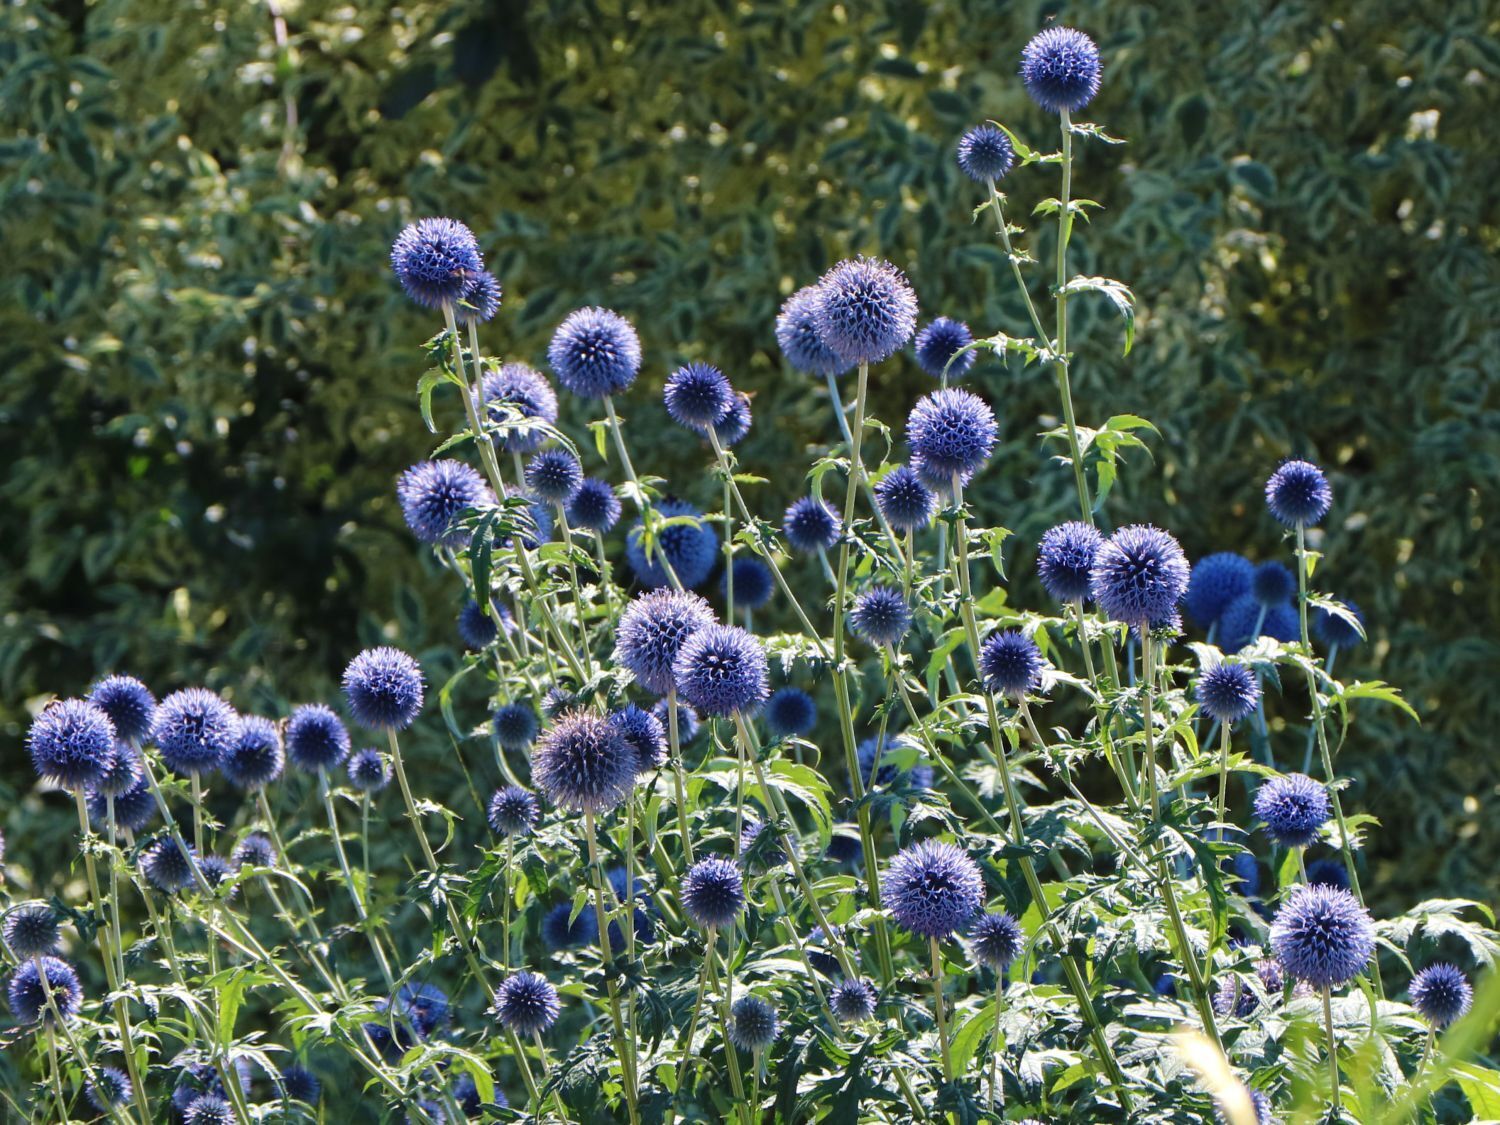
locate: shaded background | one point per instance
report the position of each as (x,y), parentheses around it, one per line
(207,372)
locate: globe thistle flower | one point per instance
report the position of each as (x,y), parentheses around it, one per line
(952,431)
(465,1094)
(1060,69)
(559,699)
(480,303)
(134,809)
(583,763)
(713,892)
(513,811)
(735,424)
(1011,664)
(799,339)
(852,1000)
(645,927)
(938,342)
(560,930)
(31,930)
(722,670)
(790,711)
(554,475)
(759,849)
(753,582)
(255,850)
(865,310)
(110,1087)
(300,1084)
(1233,995)
(515,726)
(477,629)
(526,1004)
(594,506)
(1293,808)
(906,503)
(1334,631)
(811,525)
(932,889)
(1442,994)
(369,771)
(985,153)
(1323,936)
(389,1035)
(844,847)
(384,688)
(425,1006)
(208,1109)
(123,774)
(1139,576)
(316,738)
(595,353)
(1065,558)
(255,758)
(940,482)
(1328,873)
(817,946)
(997,940)
(28,995)
(433,494)
(1298,492)
(1216,581)
(886,774)
(752,1023)
(437,261)
(1273,584)
(880,615)
(687,720)
(645,735)
(516,391)
(194,730)
(652,629)
(1260,1105)
(129,705)
(697,395)
(217,870)
(200,1078)
(1227,692)
(72,743)
(1237,626)
(691,547)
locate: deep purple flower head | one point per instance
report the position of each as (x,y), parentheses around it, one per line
(906,503)
(722,670)
(481,303)
(753,1024)
(790,711)
(887,774)
(167,867)
(316,738)
(72,743)
(1328,873)
(1139,576)
(932,889)
(1237,626)
(797,333)
(31,930)
(255,758)
(437,261)
(594,506)
(1442,994)
(687,720)
(1293,807)
(1214,584)
(255,850)
(697,395)
(936,479)
(865,310)
(426,1007)
(844,845)
(134,809)
(129,705)
(384,688)
(753,582)
(939,342)
(1011,664)
(123,773)
(1273,583)
(985,153)
(1323,936)
(953,432)
(433,494)
(1227,692)
(1298,492)
(1065,557)
(217,870)
(194,730)
(852,1000)
(583,763)
(1060,69)
(692,547)
(554,475)
(513,811)
(526,1004)
(560,930)
(1235,995)
(109,1087)
(1334,631)
(811,525)
(369,770)
(514,392)
(208,1109)
(713,892)
(645,734)
(300,1084)
(735,424)
(880,615)
(760,849)
(1260,1105)
(515,726)
(28,996)
(997,940)
(595,353)
(653,629)
(477,629)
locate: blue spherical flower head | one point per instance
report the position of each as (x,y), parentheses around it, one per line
(384,688)
(752,1023)
(653,629)
(255,758)
(865,310)
(434,494)
(481,302)
(697,395)
(594,506)
(1335,631)
(1323,936)
(515,726)
(217,870)
(28,995)
(880,615)
(208,1109)
(72,743)
(425,1006)
(255,850)
(906,503)
(369,771)
(123,773)
(316,738)
(941,483)
(554,475)
(110,1087)
(595,353)
(1139,576)
(811,525)
(1011,664)
(687,720)
(1237,625)
(1442,994)
(300,1084)
(797,334)
(1328,873)
(194,730)
(844,847)
(1060,69)
(134,809)
(759,849)
(713,892)
(691,547)
(790,711)
(1292,808)
(1228,692)
(1065,557)
(939,342)
(753,583)
(129,705)
(645,734)
(1273,584)
(886,774)
(31,930)
(997,940)
(985,153)
(852,1000)
(932,889)
(526,1004)
(560,930)
(722,670)
(437,261)
(1298,492)
(953,432)
(477,629)
(735,424)
(559,699)
(513,811)
(515,392)
(465,1094)
(1215,583)
(583,763)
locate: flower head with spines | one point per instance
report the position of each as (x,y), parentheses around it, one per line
(906,503)
(932,889)
(594,506)
(384,688)
(434,494)
(645,734)
(940,340)
(515,726)
(852,1000)
(208,1109)
(478,629)
(369,771)
(437,261)
(688,722)
(110,1087)
(713,892)
(123,773)
(753,582)
(526,1004)
(722,670)
(1011,664)
(129,705)
(1272,583)
(31,930)
(595,353)
(880,615)
(554,475)
(1298,493)
(1060,69)
(1323,936)
(797,335)
(1293,807)
(194,730)
(1213,585)
(952,432)
(865,310)
(1139,576)
(1065,557)
(300,1084)
(256,850)
(691,547)
(1227,692)
(651,631)
(517,390)
(217,870)
(28,994)
(513,811)
(583,763)
(997,940)
(481,302)
(72,743)
(985,153)
(256,757)
(316,738)
(134,809)
(697,395)
(811,525)
(753,1023)
(790,711)
(1442,994)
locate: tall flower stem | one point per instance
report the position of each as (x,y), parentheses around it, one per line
(679,775)
(583,628)
(354,896)
(1333,1052)
(122,1007)
(1060,361)
(60,1024)
(686,1048)
(617,1026)
(995,1044)
(731,1052)
(864,482)
(55,1070)
(1223,771)
(938,1010)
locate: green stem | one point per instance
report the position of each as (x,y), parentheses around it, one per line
(1064,387)
(1333,1052)
(731,1052)
(354,896)
(622,1049)
(937,1006)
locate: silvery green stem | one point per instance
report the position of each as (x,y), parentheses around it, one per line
(1333,1051)
(1064,389)
(122,1007)
(354,896)
(617,1026)
(731,1052)
(678,774)
(937,1007)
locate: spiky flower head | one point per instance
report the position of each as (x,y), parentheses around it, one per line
(129,705)
(255,758)
(939,342)
(1323,936)
(595,353)
(811,525)
(932,889)
(28,995)
(514,392)
(194,730)
(300,1084)
(753,582)
(72,743)
(735,424)
(790,711)
(1065,557)
(759,849)
(515,726)
(1442,994)
(526,1004)
(953,432)
(1298,492)
(1328,873)
(722,670)
(1214,584)
(752,1023)
(109,1087)
(1011,664)
(554,475)
(1234,995)
(1272,583)
(1292,807)
(985,153)
(123,773)
(691,547)
(906,503)
(687,720)
(316,738)
(652,629)
(583,763)
(437,261)
(1336,631)
(255,850)
(384,688)
(697,395)
(886,773)
(478,629)
(713,892)
(217,870)
(1227,692)
(852,1000)
(559,699)
(997,940)
(369,770)
(134,809)
(426,1007)
(208,1109)
(1060,69)
(797,334)
(594,506)
(434,494)
(1237,625)
(513,811)
(561,930)
(880,615)
(865,310)
(480,303)
(31,930)
(645,734)
(1139,576)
